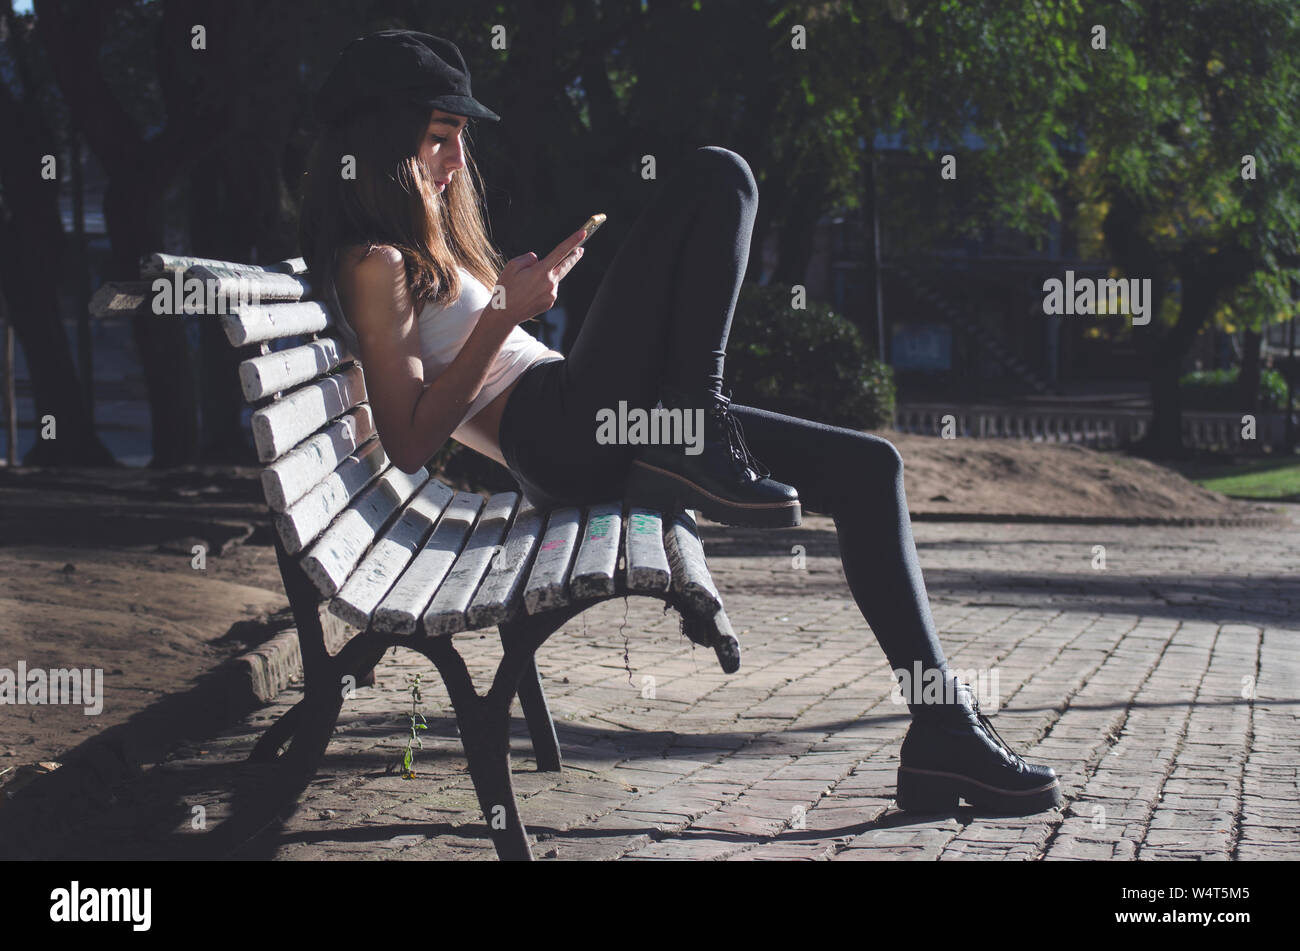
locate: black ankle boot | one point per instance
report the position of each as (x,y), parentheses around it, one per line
(953,751)
(725,481)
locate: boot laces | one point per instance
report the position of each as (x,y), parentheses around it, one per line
(740,452)
(989,728)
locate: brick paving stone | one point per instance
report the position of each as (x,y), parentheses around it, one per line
(1162,689)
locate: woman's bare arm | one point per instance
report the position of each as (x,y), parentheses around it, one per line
(414,419)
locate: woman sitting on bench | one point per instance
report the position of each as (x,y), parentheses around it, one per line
(393,214)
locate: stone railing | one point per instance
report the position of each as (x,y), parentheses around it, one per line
(1098,428)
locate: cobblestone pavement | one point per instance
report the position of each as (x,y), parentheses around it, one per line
(1163,688)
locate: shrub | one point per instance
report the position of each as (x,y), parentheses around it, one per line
(1220,389)
(811,363)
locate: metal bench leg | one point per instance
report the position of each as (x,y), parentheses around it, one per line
(355,658)
(524,636)
(484,724)
(537,713)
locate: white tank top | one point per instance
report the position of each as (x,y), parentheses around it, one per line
(444,330)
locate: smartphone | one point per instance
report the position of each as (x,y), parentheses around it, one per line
(590,226)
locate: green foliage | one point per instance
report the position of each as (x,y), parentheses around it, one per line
(407,766)
(810,363)
(1221,389)
(1170,110)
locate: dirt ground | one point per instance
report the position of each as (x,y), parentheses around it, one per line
(97,566)
(990,478)
(97,570)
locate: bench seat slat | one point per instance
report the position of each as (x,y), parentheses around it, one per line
(400,611)
(691,579)
(334,555)
(305,519)
(245,325)
(596,566)
(547,585)
(495,601)
(279,427)
(647,569)
(389,556)
(263,376)
(446,612)
(291,477)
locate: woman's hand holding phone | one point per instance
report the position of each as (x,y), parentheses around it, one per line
(530,285)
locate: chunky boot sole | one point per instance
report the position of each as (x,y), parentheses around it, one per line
(925,790)
(655,488)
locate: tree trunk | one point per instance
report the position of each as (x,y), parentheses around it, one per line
(1205,277)
(1165,438)
(33,309)
(239,201)
(796,232)
(1248,381)
(133,217)
(140,170)
(31,272)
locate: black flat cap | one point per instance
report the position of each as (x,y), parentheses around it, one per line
(418,67)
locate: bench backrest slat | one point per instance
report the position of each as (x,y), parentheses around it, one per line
(596,564)
(264,376)
(332,558)
(390,556)
(236,284)
(260,323)
(279,427)
(446,612)
(295,473)
(399,612)
(121,299)
(309,516)
(158,263)
(547,585)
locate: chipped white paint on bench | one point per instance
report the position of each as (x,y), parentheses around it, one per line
(400,612)
(497,598)
(335,554)
(646,562)
(691,578)
(307,517)
(238,285)
(389,556)
(121,299)
(154,264)
(279,427)
(546,587)
(597,562)
(263,376)
(446,613)
(262,322)
(292,476)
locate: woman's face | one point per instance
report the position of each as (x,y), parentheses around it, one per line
(441,149)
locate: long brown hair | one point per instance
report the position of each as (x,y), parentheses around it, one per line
(390,198)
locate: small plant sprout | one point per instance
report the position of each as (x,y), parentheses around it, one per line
(417,723)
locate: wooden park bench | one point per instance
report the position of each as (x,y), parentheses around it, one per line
(405,559)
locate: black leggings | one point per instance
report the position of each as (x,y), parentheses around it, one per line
(661,315)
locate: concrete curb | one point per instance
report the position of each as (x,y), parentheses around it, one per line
(270,668)
(1274,520)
